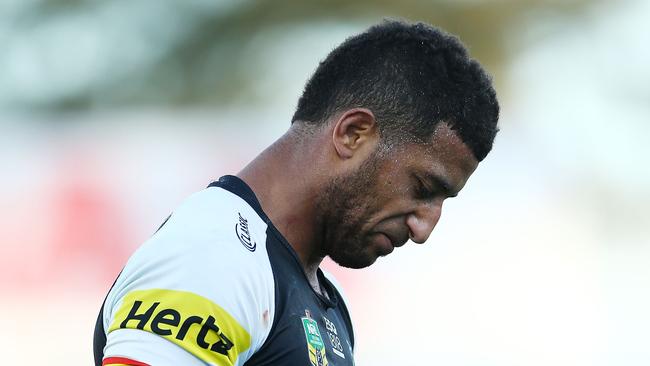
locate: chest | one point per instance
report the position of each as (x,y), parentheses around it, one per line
(307,330)
(306,333)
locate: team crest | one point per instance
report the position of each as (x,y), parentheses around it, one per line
(315,344)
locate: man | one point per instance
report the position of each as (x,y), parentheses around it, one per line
(392,123)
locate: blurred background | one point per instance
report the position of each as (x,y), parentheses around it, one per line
(112,112)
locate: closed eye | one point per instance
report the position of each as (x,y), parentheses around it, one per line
(432,186)
(422,191)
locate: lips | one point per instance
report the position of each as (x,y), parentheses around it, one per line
(384,244)
(394,239)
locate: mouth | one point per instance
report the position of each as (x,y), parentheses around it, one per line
(387,242)
(394,241)
(384,243)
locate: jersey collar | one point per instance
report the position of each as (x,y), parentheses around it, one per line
(237,186)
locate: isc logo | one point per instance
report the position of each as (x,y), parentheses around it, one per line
(193,322)
(243,233)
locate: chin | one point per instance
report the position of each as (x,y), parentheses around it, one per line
(354,261)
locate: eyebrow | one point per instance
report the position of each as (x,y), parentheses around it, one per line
(441,183)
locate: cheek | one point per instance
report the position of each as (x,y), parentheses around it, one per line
(398,202)
(388,186)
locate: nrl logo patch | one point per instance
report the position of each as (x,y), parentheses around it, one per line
(315,344)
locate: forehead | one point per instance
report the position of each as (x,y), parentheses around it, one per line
(445,156)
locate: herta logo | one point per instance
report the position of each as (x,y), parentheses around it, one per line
(178,327)
(193,322)
(243,233)
(315,344)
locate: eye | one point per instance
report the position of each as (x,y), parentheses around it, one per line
(422,191)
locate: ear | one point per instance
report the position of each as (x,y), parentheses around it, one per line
(353,131)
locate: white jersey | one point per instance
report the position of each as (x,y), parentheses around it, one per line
(217,284)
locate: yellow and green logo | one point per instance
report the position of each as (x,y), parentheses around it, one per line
(315,345)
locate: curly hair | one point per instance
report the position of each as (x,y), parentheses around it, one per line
(412,77)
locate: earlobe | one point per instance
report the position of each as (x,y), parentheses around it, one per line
(353,130)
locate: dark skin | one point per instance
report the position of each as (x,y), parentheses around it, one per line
(336,190)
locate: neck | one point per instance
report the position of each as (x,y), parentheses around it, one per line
(286,183)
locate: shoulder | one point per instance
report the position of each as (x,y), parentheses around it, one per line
(203,281)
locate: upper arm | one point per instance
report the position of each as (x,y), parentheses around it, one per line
(193,294)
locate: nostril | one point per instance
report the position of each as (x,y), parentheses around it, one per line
(421,224)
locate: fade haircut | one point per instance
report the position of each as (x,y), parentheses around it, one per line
(412,77)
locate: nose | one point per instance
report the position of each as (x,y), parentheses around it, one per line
(422,221)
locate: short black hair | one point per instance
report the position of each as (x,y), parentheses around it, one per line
(412,77)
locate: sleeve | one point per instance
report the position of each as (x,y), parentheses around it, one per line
(200,291)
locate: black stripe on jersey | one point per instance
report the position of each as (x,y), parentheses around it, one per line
(294,299)
(99,337)
(237,186)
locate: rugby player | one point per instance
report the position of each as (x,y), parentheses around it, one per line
(393,122)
